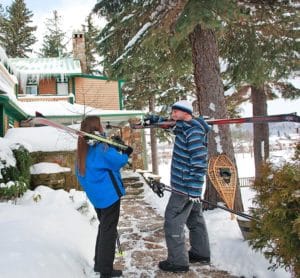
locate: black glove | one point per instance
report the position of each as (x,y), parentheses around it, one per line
(157,187)
(128,151)
(117,139)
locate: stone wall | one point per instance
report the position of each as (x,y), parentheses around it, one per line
(68,180)
(64,180)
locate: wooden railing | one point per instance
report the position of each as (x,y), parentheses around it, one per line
(247,181)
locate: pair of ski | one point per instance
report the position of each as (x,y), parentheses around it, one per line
(40,120)
(292,117)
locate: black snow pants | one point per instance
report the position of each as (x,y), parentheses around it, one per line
(106,238)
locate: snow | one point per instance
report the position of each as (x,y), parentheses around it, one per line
(63,108)
(42,138)
(51,233)
(47,167)
(6,155)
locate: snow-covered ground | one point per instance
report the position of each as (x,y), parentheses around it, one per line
(49,233)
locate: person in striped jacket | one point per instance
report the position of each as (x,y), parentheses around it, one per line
(188,170)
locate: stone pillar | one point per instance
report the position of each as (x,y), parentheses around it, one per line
(133,137)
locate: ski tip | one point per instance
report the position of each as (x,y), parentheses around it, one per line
(38,114)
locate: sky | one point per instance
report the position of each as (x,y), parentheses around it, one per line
(73,14)
(37,241)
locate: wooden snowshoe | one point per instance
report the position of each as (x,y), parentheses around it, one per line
(223,175)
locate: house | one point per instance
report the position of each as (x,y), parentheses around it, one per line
(10,113)
(65,79)
(49,83)
(60,89)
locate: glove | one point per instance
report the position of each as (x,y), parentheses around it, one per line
(152,119)
(128,151)
(157,187)
(117,139)
(196,200)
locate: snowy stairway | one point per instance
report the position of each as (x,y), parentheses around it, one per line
(142,238)
(134,187)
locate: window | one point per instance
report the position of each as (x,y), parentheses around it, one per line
(31,90)
(31,87)
(62,89)
(62,86)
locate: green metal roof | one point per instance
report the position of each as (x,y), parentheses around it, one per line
(45,66)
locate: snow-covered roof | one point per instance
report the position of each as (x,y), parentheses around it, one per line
(46,66)
(65,109)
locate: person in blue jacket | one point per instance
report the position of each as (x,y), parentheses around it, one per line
(98,172)
(188,170)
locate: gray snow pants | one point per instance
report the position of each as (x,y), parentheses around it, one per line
(181,211)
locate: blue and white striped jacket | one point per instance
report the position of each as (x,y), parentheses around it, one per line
(189,160)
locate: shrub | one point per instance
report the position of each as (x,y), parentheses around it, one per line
(14,180)
(277,232)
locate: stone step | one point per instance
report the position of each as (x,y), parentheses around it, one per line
(133,185)
(131,179)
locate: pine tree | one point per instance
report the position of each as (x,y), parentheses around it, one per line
(54,44)
(16,31)
(185,24)
(259,56)
(90,33)
(147,85)
(1,18)
(276,233)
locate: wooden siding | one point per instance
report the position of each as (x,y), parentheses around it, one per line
(97,93)
(47,86)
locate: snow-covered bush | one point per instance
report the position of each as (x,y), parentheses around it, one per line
(15,163)
(277,232)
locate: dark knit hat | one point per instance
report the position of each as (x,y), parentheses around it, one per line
(184,106)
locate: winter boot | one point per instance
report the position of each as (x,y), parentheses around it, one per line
(114,273)
(166,266)
(193,258)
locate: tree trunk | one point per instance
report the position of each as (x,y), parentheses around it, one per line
(211,100)
(260,131)
(153,140)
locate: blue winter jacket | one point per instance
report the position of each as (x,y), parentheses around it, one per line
(189,160)
(97,183)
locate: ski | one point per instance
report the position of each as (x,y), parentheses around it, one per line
(165,124)
(47,122)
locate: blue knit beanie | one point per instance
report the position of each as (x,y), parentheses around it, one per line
(184,106)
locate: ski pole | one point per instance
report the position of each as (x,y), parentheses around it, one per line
(120,251)
(159,188)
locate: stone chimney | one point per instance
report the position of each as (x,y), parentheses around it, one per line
(79,49)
